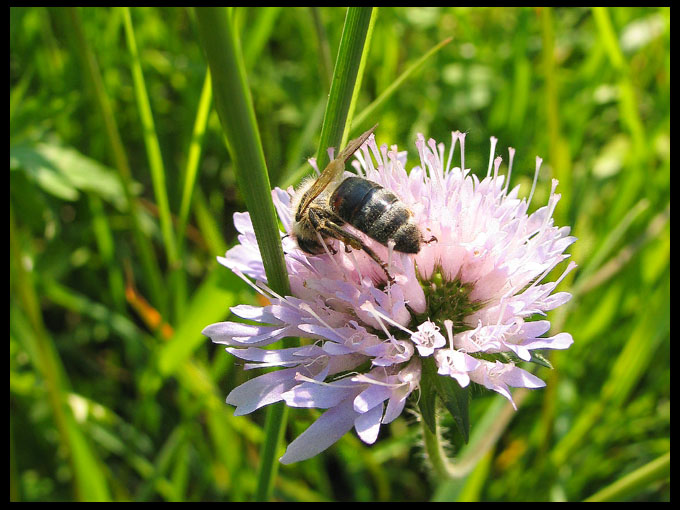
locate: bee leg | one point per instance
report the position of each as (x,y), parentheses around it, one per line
(430,240)
(327,227)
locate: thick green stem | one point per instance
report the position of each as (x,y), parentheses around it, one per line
(345,75)
(235,108)
(435,452)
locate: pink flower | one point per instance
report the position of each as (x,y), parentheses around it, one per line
(479,282)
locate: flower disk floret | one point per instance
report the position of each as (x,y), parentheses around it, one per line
(466,302)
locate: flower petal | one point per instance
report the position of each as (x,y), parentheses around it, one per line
(326,430)
(367,424)
(261,391)
(321,395)
(241,335)
(371,397)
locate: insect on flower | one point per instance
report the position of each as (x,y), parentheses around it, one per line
(468,309)
(323,205)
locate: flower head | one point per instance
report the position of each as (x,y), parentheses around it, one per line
(464,302)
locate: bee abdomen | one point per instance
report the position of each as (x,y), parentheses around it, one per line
(377,212)
(355,201)
(407,238)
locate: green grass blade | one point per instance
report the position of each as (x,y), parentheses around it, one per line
(657,470)
(105,242)
(610,242)
(366,116)
(88,478)
(207,226)
(630,366)
(324,49)
(359,79)
(558,153)
(93,76)
(194,157)
(235,109)
(345,75)
(258,35)
(209,304)
(629,106)
(295,171)
(153,147)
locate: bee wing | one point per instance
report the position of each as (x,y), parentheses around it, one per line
(354,145)
(333,170)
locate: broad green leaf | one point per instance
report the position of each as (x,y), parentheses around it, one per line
(64,172)
(427,401)
(209,304)
(457,401)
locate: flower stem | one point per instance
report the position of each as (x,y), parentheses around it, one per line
(235,108)
(435,451)
(274,426)
(345,78)
(487,432)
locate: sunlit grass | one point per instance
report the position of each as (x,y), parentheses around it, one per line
(122,192)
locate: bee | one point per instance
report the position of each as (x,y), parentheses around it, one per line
(324,205)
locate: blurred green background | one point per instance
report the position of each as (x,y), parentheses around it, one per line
(115,394)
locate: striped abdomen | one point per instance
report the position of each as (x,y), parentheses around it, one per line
(377,212)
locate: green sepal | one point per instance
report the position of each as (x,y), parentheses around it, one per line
(511,357)
(455,399)
(539,359)
(428,394)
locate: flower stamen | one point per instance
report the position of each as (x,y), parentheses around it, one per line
(494,141)
(539,161)
(511,157)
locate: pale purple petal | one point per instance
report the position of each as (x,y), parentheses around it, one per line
(261,391)
(316,331)
(241,335)
(367,424)
(243,224)
(395,405)
(281,201)
(244,259)
(323,396)
(276,357)
(519,378)
(346,362)
(372,396)
(559,341)
(326,430)
(254,313)
(498,376)
(555,300)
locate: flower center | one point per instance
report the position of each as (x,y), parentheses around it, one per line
(447,299)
